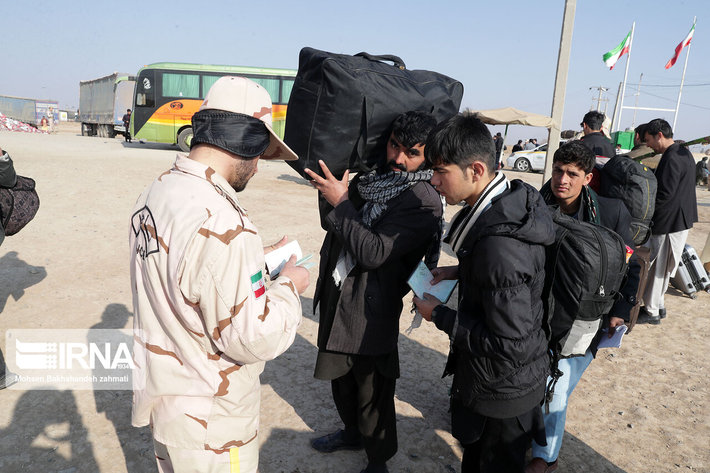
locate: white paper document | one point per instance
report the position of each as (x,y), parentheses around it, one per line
(420,282)
(615,340)
(276,259)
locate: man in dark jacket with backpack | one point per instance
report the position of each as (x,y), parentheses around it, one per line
(499,353)
(567,189)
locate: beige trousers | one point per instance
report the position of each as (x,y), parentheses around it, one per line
(243,459)
(666,251)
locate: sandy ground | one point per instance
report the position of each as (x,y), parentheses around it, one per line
(641,408)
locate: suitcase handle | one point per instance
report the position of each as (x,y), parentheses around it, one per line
(398,63)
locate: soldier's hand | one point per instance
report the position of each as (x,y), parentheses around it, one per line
(298,274)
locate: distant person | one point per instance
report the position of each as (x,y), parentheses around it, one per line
(593,137)
(499,356)
(127,125)
(518,146)
(50,119)
(206,318)
(640,147)
(7,180)
(618,149)
(43,123)
(379,226)
(530,144)
(499,149)
(675,213)
(701,171)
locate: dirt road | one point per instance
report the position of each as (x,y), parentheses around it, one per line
(641,408)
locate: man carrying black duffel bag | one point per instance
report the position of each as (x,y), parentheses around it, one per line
(379,227)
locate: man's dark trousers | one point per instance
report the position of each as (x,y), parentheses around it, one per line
(364,398)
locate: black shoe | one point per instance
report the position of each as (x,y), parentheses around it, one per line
(336,441)
(646,318)
(662,312)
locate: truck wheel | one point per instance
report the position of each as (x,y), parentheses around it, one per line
(111,131)
(184,139)
(101,131)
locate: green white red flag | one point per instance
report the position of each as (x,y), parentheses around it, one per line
(612,56)
(680,47)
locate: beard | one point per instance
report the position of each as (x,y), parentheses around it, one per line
(244,170)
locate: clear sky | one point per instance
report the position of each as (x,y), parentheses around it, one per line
(504,52)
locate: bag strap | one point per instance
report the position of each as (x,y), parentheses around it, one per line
(396,60)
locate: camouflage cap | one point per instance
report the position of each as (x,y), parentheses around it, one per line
(241,95)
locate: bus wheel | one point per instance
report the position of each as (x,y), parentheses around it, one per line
(184,139)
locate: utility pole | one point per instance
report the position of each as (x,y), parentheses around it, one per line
(600,99)
(636,102)
(617,109)
(558,96)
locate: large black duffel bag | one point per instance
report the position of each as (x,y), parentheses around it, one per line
(341,107)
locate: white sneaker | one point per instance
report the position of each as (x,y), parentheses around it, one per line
(8,379)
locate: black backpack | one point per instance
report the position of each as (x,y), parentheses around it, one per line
(586,266)
(635,184)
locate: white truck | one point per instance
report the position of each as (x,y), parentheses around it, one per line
(103,102)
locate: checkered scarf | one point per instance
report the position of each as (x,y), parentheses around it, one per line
(378,189)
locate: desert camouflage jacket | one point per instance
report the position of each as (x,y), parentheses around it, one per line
(205,320)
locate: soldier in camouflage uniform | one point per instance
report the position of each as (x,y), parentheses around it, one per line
(206,318)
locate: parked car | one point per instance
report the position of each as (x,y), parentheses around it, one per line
(531,160)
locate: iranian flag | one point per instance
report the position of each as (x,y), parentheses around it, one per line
(612,56)
(680,47)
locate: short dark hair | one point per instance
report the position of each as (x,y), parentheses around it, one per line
(461,140)
(594,120)
(657,126)
(575,152)
(641,130)
(412,128)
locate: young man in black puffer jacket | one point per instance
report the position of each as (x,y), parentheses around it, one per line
(499,355)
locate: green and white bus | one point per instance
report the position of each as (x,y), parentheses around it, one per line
(168,94)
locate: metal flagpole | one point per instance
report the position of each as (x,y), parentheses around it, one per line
(636,102)
(626,73)
(682,79)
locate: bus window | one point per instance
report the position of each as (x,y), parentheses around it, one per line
(181,85)
(286,87)
(271,86)
(207,83)
(145,89)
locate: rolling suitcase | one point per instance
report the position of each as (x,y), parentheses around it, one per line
(341,107)
(691,277)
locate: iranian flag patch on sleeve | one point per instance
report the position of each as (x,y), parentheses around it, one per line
(257,284)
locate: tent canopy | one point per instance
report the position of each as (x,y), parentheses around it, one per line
(513,116)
